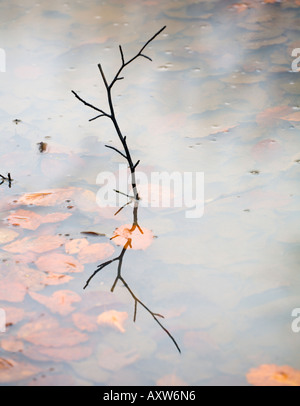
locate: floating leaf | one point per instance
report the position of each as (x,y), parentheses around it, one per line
(59,263)
(135,237)
(274,375)
(40,244)
(60,302)
(95,252)
(114,319)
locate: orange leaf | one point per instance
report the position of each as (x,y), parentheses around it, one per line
(114,319)
(36,244)
(60,301)
(274,375)
(25,219)
(95,252)
(135,237)
(59,263)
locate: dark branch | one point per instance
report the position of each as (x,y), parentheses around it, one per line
(115,149)
(89,104)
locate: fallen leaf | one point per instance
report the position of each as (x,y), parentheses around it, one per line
(272,115)
(12,291)
(59,302)
(7,235)
(12,345)
(31,221)
(11,370)
(135,237)
(46,198)
(74,246)
(58,263)
(56,278)
(46,332)
(95,252)
(40,244)
(85,322)
(273,375)
(114,319)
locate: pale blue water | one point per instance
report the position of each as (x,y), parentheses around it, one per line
(226,282)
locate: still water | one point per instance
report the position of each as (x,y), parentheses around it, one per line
(219,97)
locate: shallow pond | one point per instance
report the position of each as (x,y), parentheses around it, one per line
(220,97)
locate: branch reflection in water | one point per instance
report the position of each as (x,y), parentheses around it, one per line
(128,244)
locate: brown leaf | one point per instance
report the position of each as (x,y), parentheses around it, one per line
(59,263)
(274,375)
(40,244)
(59,302)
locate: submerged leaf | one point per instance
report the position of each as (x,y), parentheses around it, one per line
(40,244)
(58,263)
(274,375)
(59,302)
